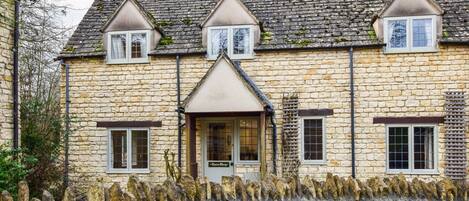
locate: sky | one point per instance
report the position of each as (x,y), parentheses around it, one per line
(76,12)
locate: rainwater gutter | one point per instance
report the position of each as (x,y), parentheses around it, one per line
(16,37)
(352,110)
(179,109)
(67,123)
(274,142)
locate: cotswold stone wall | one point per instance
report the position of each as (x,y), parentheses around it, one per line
(391,85)
(6,66)
(234,188)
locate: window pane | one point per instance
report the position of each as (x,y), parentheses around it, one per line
(397,30)
(398,148)
(219,142)
(422,32)
(139,149)
(241,41)
(118,46)
(423,148)
(219,41)
(119,149)
(139,45)
(248,138)
(312,139)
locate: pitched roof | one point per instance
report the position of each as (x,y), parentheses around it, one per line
(249,83)
(291,23)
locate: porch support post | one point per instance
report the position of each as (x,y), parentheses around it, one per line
(191,152)
(263,146)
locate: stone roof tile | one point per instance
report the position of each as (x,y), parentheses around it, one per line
(291,23)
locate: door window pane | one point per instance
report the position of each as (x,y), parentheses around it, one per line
(118,46)
(139,149)
(313,139)
(219,41)
(248,140)
(398,147)
(422,32)
(241,41)
(397,30)
(423,148)
(219,142)
(139,45)
(119,149)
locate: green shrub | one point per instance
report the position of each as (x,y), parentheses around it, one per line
(13,168)
(41,129)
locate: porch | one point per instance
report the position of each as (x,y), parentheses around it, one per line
(225,125)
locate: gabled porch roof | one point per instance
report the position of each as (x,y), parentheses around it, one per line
(234,92)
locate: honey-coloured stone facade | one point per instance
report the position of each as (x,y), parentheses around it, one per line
(6,67)
(386,85)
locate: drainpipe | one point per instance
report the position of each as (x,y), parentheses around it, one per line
(352,110)
(67,123)
(274,142)
(16,130)
(179,110)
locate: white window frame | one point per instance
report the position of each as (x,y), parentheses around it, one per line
(230,42)
(302,144)
(238,141)
(409,32)
(129,169)
(411,169)
(128,53)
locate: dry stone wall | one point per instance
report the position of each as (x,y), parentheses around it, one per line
(271,188)
(6,66)
(391,85)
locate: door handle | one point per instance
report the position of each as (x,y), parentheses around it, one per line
(231,163)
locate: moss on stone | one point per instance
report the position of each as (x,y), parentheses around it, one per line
(166,40)
(372,34)
(164,23)
(340,39)
(445,34)
(69,49)
(299,42)
(301,32)
(266,36)
(187,21)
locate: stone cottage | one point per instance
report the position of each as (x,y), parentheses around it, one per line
(7,24)
(255,87)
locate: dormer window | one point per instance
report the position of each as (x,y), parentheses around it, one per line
(128,47)
(410,34)
(236,41)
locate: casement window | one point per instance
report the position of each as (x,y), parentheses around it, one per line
(128,150)
(248,140)
(412,149)
(410,34)
(128,47)
(313,140)
(236,41)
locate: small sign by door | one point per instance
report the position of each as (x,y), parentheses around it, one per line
(218,164)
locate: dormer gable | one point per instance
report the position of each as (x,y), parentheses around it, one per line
(129,16)
(229,27)
(409,25)
(229,12)
(399,8)
(130,34)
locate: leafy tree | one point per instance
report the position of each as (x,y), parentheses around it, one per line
(42,37)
